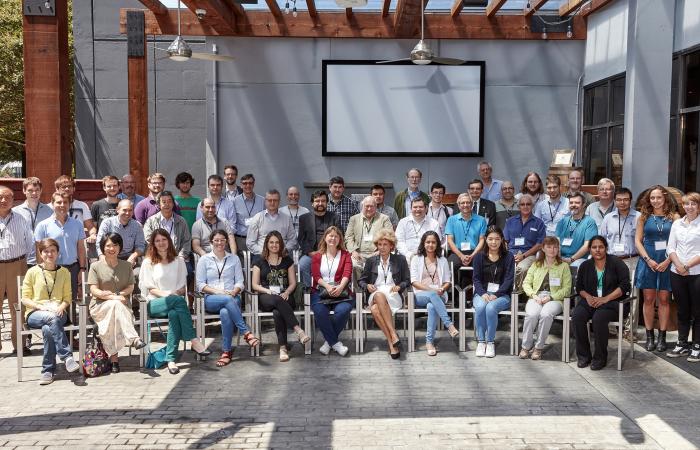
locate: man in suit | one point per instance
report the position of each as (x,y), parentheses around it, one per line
(483,207)
(312,225)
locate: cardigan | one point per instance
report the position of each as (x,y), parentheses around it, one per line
(444,274)
(505,274)
(344,270)
(400,202)
(399,272)
(617,275)
(34,286)
(535,278)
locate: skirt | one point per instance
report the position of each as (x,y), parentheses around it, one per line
(393,298)
(115,324)
(645,278)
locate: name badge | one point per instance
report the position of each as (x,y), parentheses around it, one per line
(551,227)
(367,238)
(218,284)
(567,242)
(600,292)
(533,229)
(619,248)
(276,289)
(465,246)
(247,221)
(555,282)
(660,245)
(5,242)
(519,241)
(492,288)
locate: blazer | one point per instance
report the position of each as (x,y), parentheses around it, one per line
(356,230)
(344,270)
(307,230)
(399,272)
(505,275)
(535,277)
(487,210)
(617,275)
(400,202)
(182,239)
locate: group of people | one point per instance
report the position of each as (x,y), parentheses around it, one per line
(533,243)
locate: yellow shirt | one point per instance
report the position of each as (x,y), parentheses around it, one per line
(35,286)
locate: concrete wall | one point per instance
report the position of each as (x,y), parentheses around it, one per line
(606,43)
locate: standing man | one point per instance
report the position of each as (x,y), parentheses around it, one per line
(174,224)
(412,228)
(359,238)
(605,204)
(247,205)
(230,175)
(33,211)
(311,229)
(16,242)
(506,207)
(492,187)
(574,183)
(150,206)
(575,231)
(76,209)
(292,209)
(225,209)
(188,204)
(619,228)
(436,210)
(483,207)
(466,233)
(341,205)
(128,228)
(268,220)
(402,202)
(524,235)
(203,227)
(553,210)
(128,186)
(378,192)
(107,207)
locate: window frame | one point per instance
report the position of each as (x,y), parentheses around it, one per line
(676,133)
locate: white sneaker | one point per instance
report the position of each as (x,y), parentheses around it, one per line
(325,348)
(71,365)
(481,349)
(340,348)
(490,350)
(46,378)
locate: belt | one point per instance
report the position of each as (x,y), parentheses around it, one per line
(240,236)
(8,261)
(626,256)
(69,265)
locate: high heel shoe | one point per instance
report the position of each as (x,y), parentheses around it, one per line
(396,355)
(173,369)
(303,337)
(204,352)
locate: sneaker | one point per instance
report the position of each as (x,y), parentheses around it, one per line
(490,350)
(681,349)
(694,354)
(481,349)
(524,353)
(340,348)
(71,365)
(46,378)
(325,348)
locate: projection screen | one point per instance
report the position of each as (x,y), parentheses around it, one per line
(402,109)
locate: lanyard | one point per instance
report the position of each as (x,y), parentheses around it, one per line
(329,266)
(46,281)
(413,225)
(466,232)
(385,269)
(568,226)
(553,215)
(245,204)
(367,228)
(295,218)
(7,225)
(621,229)
(432,214)
(431,275)
(221,271)
(33,214)
(216,225)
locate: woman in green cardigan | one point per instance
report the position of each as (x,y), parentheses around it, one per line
(547,284)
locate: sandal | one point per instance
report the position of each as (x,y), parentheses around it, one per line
(454,332)
(284,356)
(303,337)
(251,340)
(224,359)
(432,351)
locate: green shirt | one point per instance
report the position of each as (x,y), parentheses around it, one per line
(188,209)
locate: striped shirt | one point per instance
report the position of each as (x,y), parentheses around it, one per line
(33,217)
(131,233)
(245,210)
(343,210)
(15,237)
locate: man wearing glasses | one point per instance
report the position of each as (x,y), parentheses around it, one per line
(506,207)
(436,210)
(402,202)
(524,234)
(149,206)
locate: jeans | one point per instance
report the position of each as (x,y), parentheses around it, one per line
(174,307)
(486,316)
(436,308)
(539,314)
(305,270)
(229,310)
(331,326)
(55,339)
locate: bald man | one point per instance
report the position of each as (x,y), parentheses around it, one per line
(359,237)
(293,209)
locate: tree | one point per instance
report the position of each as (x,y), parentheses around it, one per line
(11,81)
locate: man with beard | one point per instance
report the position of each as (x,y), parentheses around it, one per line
(128,190)
(107,207)
(311,229)
(230,176)
(149,206)
(202,229)
(574,187)
(134,243)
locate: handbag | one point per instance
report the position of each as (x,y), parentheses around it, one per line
(327,299)
(96,361)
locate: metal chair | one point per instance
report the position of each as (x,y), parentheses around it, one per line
(363,315)
(460,310)
(563,317)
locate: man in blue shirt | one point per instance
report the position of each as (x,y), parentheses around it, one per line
(553,210)
(524,235)
(247,205)
(491,186)
(465,236)
(574,232)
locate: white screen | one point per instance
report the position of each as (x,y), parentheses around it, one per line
(403,109)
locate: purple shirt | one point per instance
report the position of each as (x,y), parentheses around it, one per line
(149,207)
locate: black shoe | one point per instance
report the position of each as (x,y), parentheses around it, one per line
(202,353)
(661,342)
(581,363)
(396,355)
(650,344)
(597,365)
(681,349)
(115,367)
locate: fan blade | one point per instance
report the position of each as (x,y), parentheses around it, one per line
(448,61)
(393,61)
(212,57)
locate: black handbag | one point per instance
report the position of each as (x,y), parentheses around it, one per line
(327,299)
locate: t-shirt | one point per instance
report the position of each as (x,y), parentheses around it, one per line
(271,275)
(107,278)
(188,208)
(102,209)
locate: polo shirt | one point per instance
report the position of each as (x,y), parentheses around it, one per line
(149,207)
(552,213)
(533,231)
(202,229)
(131,233)
(466,230)
(593,210)
(67,235)
(578,231)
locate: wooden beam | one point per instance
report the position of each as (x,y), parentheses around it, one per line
(365,25)
(593,6)
(348,14)
(311,7)
(274,9)
(407,15)
(137,94)
(568,7)
(457,7)
(49,149)
(534,6)
(493,7)
(219,14)
(385,7)
(155,6)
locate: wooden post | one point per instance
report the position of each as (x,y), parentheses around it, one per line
(49,151)
(138,99)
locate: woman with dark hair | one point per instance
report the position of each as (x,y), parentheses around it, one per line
(547,284)
(220,278)
(601,282)
(111,282)
(532,184)
(163,278)
(431,279)
(658,211)
(275,280)
(494,271)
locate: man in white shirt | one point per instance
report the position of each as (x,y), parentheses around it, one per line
(619,228)
(553,210)
(605,205)
(436,210)
(268,220)
(411,229)
(32,210)
(293,209)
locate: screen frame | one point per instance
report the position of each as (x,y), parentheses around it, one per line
(356,62)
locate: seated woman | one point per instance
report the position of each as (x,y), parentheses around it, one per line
(111,282)
(547,284)
(493,283)
(430,277)
(46,295)
(220,278)
(601,282)
(384,278)
(331,270)
(163,278)
(274,278)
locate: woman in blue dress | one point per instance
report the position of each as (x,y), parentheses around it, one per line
(658,211)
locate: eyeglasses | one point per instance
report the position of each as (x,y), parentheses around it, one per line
(506,188)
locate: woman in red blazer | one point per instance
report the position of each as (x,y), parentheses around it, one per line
(331,271)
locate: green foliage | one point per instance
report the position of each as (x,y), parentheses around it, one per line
(11,81)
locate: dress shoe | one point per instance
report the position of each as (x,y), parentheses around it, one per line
(115,367)
(597,365)
(581,363)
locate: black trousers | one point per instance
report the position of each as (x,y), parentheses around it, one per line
(600,317)
(461,277)
(282,313)
(686,292)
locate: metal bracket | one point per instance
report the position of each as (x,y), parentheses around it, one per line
(39,7)
(135,33)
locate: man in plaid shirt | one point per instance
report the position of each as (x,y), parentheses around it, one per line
(342,206)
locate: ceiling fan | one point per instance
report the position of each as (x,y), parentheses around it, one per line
(179,49)
(422,53)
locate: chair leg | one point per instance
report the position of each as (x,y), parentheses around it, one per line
(620,327)
(20,347)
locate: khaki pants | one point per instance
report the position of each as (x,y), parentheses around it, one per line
(520,272)
(8,289)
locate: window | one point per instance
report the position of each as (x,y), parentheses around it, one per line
(603,129)
(685,121)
